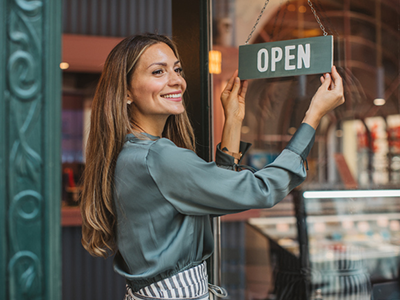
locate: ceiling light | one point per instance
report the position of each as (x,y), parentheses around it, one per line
(379,101)
(380,87)
(215,58)
(351,194)
(64,65)
(302,9)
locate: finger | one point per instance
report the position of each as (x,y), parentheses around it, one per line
(327,81)
(322,79)
(337,80)
(243,90)
(229,85)
(236,86)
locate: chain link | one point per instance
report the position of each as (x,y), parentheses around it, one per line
(258,20)
(317,18)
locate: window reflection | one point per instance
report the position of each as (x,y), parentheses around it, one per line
(323,247)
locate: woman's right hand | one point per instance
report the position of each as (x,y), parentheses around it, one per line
(328,97)
(233,103)
(233,99)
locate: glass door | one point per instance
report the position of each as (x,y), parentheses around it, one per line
(341,243)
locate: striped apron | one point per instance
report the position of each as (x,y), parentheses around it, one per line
(190,284)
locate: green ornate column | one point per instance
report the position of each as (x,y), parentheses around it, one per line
(30,114)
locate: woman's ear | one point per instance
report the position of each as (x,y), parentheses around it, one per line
(128,98)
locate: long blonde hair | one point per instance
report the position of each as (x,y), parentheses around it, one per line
(109,124)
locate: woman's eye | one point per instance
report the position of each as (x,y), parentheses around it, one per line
(179,70)
(156,72)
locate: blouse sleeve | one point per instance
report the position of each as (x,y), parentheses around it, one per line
(196,187)
(227,161)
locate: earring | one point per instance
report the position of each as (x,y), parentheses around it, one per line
(129,102)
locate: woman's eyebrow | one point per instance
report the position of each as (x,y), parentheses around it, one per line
(163,64)
(158,63)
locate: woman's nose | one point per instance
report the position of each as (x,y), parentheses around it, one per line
(176,79)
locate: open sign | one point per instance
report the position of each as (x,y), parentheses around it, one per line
(286,58)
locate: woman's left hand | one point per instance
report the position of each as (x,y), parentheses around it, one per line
(233,99)
(328,97)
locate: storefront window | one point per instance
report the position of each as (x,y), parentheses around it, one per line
(343,243)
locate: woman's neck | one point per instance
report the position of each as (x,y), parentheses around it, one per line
(151,128)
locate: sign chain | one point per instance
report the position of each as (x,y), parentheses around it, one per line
(258,20)
(326,20)
(262,12)
(317,18)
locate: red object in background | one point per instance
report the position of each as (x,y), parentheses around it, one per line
(362,139)
(344,172)
(71,181)
(86,53)
(394,139)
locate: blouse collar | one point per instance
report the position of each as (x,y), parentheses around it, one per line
(140,136)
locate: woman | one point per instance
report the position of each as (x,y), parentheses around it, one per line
(147,196)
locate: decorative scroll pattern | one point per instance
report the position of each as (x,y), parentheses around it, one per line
(24,269)
(24,93)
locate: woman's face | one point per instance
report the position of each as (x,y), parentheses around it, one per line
(157,87)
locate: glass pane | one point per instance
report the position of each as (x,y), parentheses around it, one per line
(315,246)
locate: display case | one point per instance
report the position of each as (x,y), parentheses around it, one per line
(337,244)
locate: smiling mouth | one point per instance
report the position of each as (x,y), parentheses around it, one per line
(173,96)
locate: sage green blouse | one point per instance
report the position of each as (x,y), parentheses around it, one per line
(164,196)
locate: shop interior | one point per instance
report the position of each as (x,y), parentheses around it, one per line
(337,236)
